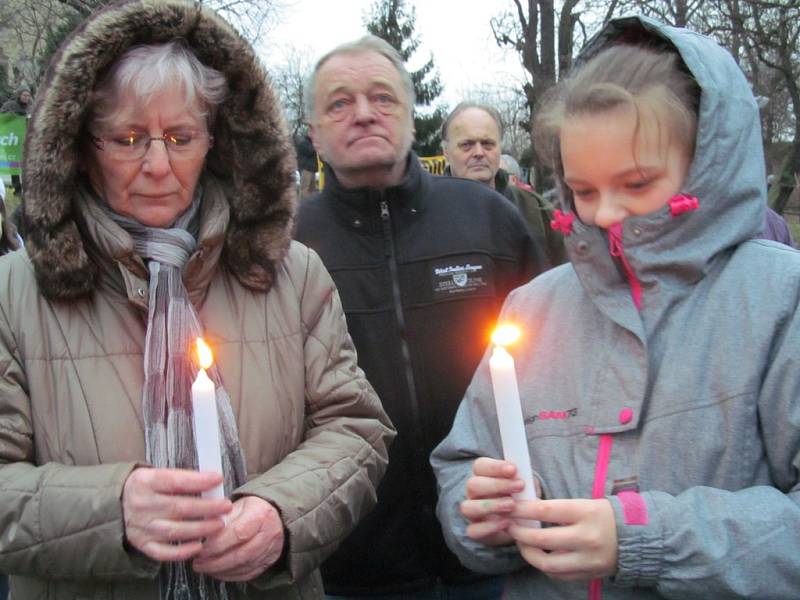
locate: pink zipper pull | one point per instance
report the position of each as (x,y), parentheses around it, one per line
(615,240)
(616,249)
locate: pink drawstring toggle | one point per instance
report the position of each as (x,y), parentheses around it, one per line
(562,222)
(682,203)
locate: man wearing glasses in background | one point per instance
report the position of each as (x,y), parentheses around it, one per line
(422,264)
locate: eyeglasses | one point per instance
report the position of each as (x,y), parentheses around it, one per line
(343,107)
(181,144)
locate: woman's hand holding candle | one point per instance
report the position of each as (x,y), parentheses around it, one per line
(164,519)
(251,542)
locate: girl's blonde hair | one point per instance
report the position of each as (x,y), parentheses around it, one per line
(652,82)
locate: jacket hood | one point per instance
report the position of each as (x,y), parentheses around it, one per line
(252,156)
(727,174)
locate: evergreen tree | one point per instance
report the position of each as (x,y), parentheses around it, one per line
(393,22)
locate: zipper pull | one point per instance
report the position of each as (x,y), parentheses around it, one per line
(616,249)
(615,240)
(384,210)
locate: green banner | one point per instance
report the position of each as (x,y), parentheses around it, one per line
(12,138)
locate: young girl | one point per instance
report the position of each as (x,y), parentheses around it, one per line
(658,372)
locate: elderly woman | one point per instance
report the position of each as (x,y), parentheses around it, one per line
(159,206)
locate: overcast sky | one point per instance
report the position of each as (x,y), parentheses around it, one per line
(456,32)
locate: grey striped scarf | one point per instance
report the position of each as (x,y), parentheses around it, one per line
(172,327)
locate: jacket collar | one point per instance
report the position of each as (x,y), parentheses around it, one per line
(122,270)
(360,208)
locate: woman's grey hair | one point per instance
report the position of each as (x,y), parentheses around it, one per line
(368,43)
(462,106)
(147,70)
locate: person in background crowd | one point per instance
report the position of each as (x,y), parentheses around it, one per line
(9,241)
(471,137)
(423,264)
(159,204)
(510,165)
(21,104)
(659,383)
(307,164)
(776,228)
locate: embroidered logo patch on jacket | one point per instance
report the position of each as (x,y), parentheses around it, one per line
(461,275)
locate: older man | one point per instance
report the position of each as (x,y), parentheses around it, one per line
(471,142)
(423,264)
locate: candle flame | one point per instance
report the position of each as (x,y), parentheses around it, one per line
(204,356)
(505,334)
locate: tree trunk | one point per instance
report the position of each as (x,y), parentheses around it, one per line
(681,13)
(786,184)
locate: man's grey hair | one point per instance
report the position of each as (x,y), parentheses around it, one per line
(462,106)
(368,43)
(510,165)
(147,70)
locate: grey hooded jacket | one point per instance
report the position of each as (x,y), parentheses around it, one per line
(697,394)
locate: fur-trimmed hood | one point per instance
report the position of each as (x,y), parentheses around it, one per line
(252,156)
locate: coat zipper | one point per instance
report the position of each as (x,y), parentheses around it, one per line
(390,255)
(417,432)
(617,250)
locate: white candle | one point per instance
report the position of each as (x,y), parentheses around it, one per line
(509,418)
(206,422)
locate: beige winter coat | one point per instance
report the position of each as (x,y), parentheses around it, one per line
(72,329)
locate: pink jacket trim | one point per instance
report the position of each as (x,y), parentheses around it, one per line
(599,491)
(601,466)
(634,508)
